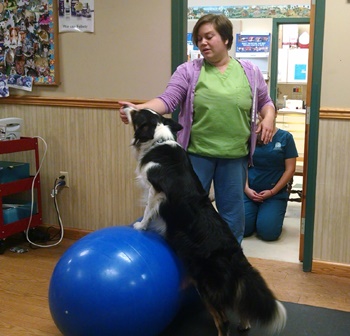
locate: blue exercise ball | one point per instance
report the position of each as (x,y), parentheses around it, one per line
(116,281)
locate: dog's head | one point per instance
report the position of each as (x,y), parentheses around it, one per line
(149,125)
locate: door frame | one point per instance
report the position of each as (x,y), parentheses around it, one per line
(317,21)
(276,22)
(178,52)
(274,49)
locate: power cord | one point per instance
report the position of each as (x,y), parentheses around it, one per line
(59,183)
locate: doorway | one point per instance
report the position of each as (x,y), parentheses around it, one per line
(288,88)
(178,43)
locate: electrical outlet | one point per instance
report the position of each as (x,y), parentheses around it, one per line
(66,177)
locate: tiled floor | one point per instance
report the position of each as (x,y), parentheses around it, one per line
(286,248)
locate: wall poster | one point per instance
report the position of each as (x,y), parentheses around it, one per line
(28,42)
(76,16)
(254,45)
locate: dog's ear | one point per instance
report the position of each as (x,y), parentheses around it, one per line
(174,125)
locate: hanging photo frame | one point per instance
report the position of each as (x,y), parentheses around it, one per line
(28,41)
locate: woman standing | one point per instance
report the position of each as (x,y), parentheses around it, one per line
(219,98)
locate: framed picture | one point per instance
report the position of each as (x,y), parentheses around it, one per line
(28,41)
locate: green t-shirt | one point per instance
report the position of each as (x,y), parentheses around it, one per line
(221,120)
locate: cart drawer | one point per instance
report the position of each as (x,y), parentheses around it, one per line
(15,212)
(12,171)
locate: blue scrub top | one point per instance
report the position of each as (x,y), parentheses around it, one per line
(269,161)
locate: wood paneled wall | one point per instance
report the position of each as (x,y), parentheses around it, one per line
(93,146)
(332,211)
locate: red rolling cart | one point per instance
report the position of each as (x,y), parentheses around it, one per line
(20,186)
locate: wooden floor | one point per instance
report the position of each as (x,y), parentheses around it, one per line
(24,282)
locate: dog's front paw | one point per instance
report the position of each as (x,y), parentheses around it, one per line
(140,226)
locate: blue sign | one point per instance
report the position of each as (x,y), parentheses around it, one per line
(300,72)
(246,43)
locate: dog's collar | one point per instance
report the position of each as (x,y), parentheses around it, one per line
(159,141)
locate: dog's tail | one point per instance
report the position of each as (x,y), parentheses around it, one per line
(255,302)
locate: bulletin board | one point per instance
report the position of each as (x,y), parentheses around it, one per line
(108,63)
(28,47)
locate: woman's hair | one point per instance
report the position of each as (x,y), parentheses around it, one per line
(220,23)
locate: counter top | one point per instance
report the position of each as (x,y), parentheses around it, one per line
(288,110)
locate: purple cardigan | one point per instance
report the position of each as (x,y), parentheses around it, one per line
(181,87)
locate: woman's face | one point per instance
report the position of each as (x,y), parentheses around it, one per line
(210,43)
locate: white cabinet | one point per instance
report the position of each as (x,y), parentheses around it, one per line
(282,67)
(293,121)
(292,65)
(297,65)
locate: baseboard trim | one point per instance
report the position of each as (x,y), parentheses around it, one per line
(318,267)
(69,233)
(330,268)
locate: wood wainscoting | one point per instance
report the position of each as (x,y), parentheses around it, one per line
(318,267)
(331,253)
(87,139)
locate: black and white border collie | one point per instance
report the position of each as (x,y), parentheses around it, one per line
(214,260)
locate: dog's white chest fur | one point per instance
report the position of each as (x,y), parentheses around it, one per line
(152,198)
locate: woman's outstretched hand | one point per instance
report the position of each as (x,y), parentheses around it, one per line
(122,114)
